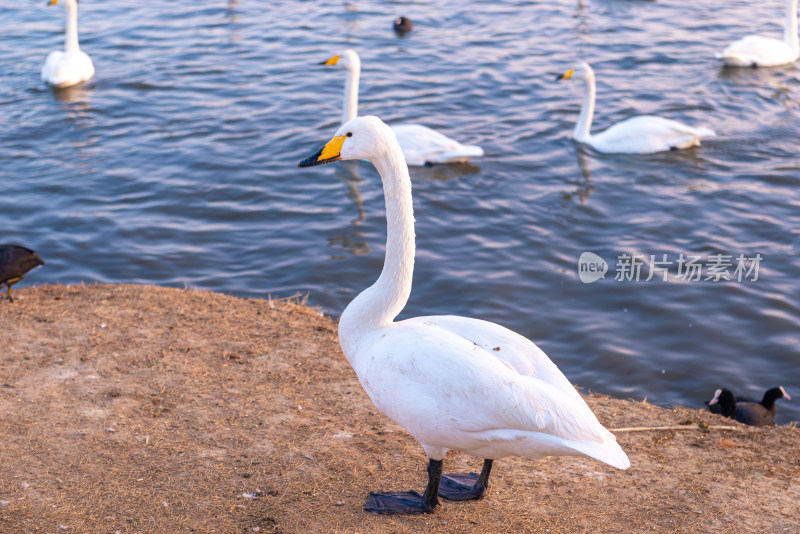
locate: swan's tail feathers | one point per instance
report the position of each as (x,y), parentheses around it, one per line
(702,131)
(473,151)
(460,154)
(608,451)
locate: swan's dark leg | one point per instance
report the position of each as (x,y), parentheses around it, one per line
(409,502)
(463,487)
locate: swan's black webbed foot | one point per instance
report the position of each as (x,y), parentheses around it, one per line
(397,502)
(461,487)
(467,486)
(408,502)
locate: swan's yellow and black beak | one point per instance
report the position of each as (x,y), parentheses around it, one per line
(328,154)
(567,75)
(52,2)
(331,61)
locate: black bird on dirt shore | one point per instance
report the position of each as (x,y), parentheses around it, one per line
(767,401)
(15,261)
(748,412)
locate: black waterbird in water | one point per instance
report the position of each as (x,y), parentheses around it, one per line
(403,25)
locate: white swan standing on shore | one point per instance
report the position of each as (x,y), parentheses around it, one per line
(421,145)
(645,134)
(452,382)
(72,65)
(757,51)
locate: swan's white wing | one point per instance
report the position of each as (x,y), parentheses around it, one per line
(522,354)
(441,379)
(63,70)
(647,134)
(757,51)
(50,66)
(422,145)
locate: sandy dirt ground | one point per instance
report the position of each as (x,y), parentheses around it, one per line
(144,409)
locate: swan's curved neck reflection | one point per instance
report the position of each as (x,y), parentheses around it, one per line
(353,244)
(582,27)
(347,172)
(584,188)
(74,101)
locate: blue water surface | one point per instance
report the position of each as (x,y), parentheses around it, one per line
(176,166)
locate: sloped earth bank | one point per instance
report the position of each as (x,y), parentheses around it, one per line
(144,409)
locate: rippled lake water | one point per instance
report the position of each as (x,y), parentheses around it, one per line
(176,166)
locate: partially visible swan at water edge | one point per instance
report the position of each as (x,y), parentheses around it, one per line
(71,66)
(421,145)
(758,51)
(452,382)
(645,134)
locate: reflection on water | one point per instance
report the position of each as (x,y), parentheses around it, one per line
(232,17)
(353,244)
(584,188)
(347,172)
(582,28)
(77,110)
(444,173)
(749,77)
(182,154)
(350,17)
(77,94)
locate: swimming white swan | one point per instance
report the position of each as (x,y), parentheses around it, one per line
(452,382)
(420,144)
(70,66)
(757,51)
(645,134)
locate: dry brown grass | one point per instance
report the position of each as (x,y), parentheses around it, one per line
(144,409)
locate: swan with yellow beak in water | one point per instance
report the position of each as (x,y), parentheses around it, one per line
(645,134)
(421,145)
(71,66)
(758,51)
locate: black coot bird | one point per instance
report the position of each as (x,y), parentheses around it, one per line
(767,401)
(748,412)
(15,261)
(403,25)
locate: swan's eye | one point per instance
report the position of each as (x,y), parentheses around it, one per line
(349,134)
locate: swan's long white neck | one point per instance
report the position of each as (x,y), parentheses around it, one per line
(378,305)
(351,90)
(71,34)
(790,36)
(584,125)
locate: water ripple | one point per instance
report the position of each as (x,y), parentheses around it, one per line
(176,165)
